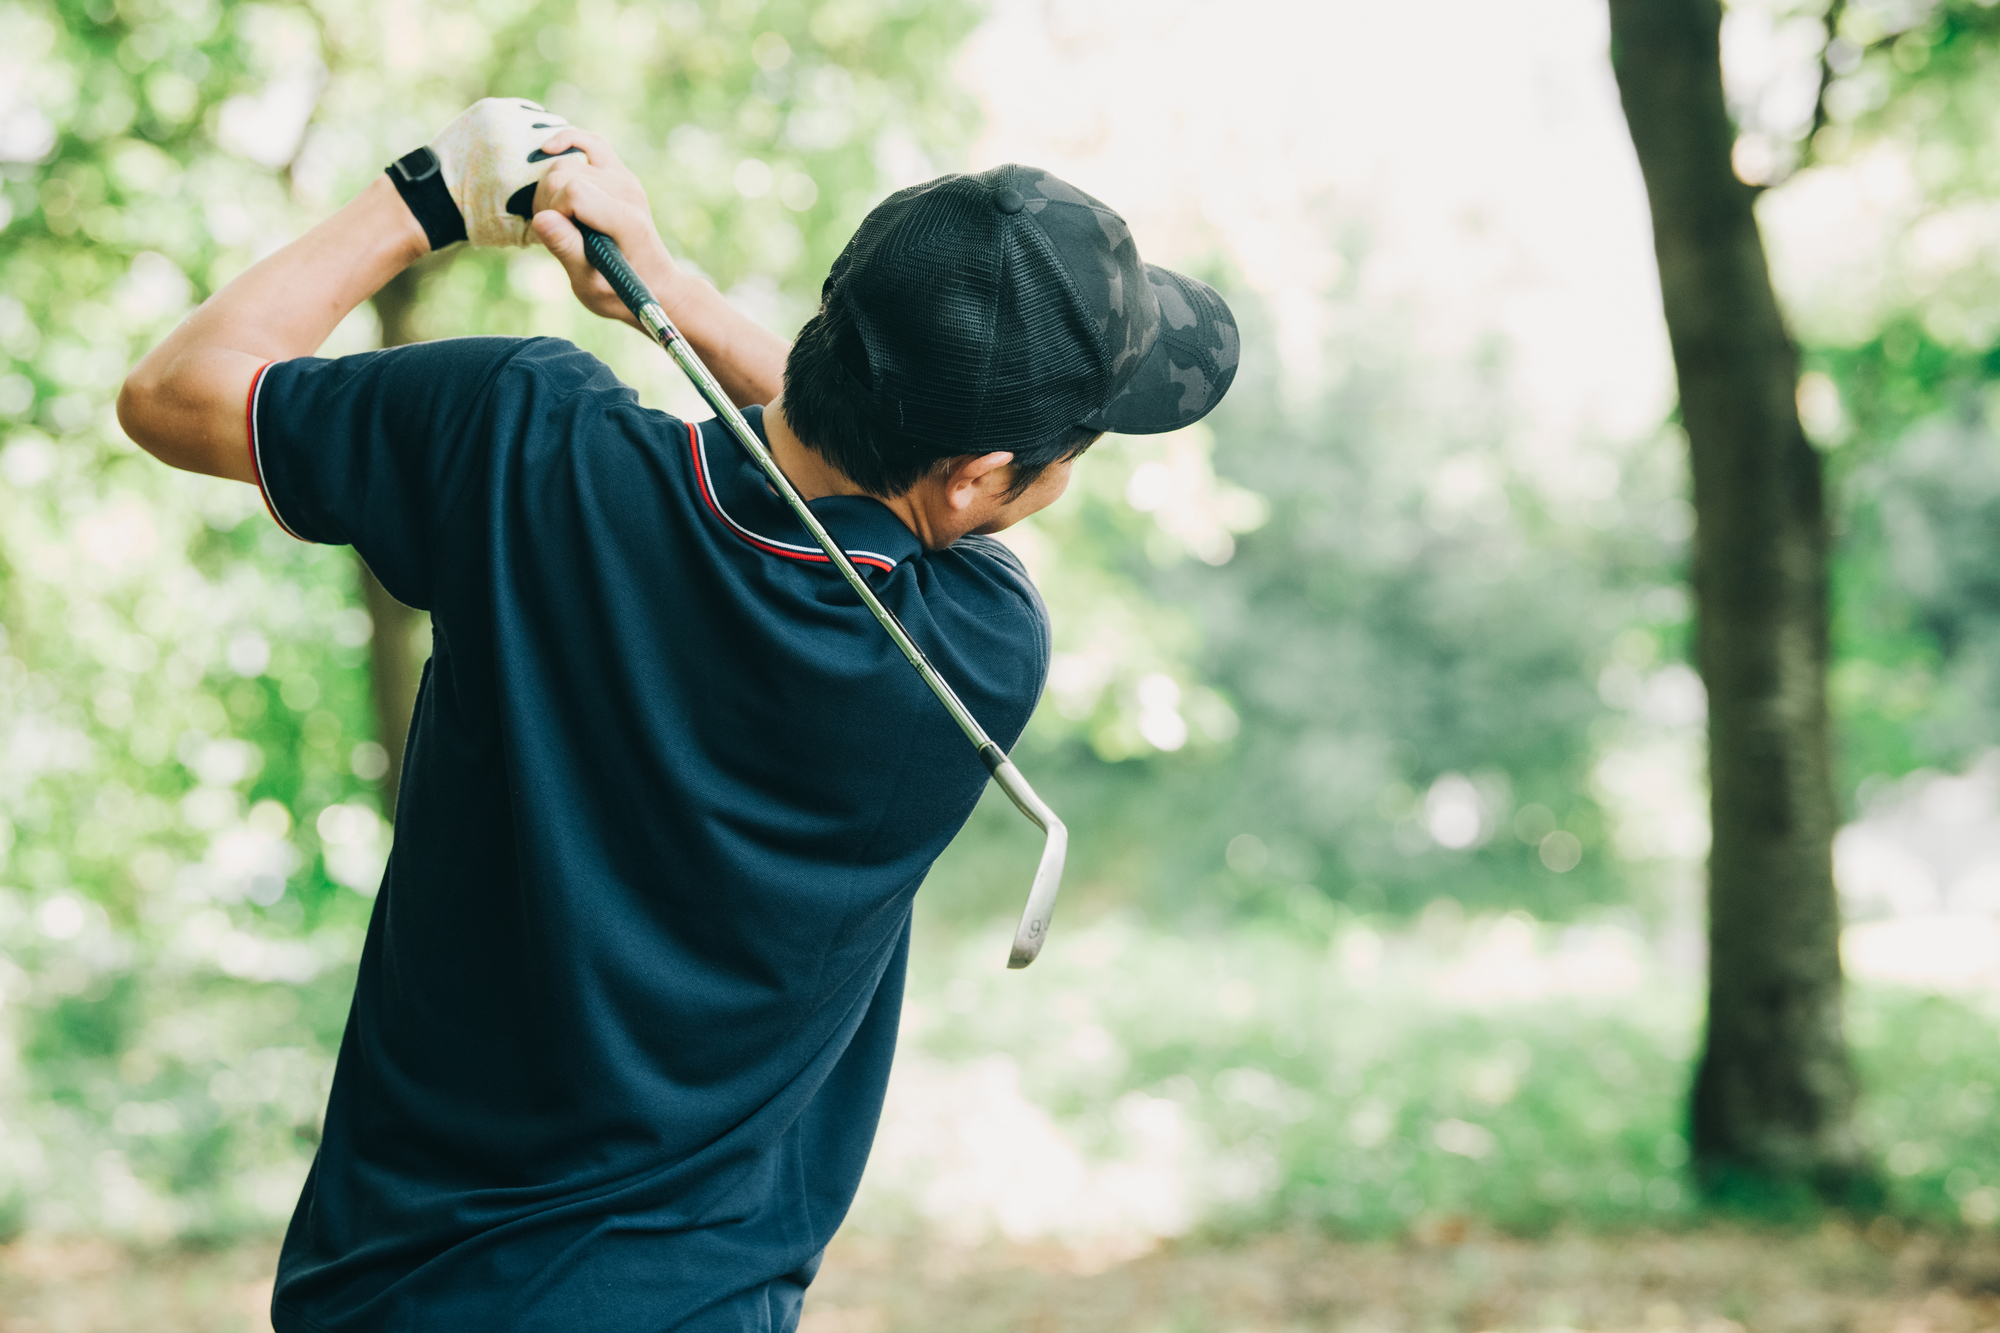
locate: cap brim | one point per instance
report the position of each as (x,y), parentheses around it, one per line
(1188,370)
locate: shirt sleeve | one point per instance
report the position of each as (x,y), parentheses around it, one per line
(375,450)
(1004,640)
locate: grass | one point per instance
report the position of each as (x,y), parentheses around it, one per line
(1500,1074)
(1347,1119)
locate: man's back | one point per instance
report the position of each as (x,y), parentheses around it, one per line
(630,991)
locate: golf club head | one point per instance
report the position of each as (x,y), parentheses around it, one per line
(1034,927)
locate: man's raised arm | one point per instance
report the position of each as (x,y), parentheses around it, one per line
(186,401)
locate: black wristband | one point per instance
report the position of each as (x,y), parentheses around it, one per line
(419,178)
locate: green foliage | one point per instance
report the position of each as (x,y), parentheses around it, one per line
(1932,1109)
(1402,618)
(1913,350)
(1915,598)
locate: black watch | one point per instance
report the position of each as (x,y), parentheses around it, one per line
(419,177)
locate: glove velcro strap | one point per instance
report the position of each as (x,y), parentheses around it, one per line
(419,178)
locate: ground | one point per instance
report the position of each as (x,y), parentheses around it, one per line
(1712,1280)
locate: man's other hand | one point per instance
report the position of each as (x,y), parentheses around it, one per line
(497,149)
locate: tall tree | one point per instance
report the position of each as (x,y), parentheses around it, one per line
(1774,1093)
(395,669)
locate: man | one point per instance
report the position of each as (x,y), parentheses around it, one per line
(629,994)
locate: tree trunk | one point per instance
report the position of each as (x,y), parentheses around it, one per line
(395,662)
(1774,1095)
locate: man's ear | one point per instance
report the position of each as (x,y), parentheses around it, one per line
(977,477)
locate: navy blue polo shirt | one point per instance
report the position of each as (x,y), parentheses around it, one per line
(630,989)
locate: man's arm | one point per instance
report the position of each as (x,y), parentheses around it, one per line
(185,402)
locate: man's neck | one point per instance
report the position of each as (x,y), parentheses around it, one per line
(815,478)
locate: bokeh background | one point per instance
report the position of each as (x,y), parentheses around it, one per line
(1371,712)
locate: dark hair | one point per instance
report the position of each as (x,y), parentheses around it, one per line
(828,408)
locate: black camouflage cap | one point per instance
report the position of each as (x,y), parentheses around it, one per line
(1005,309)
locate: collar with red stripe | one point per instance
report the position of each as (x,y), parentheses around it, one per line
(735,491)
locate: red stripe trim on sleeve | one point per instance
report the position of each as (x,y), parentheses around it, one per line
(803,554)
(256,462)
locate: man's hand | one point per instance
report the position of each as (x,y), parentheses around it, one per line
(590,185)
(184,402)
(595,188)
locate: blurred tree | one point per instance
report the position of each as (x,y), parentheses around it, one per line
(1774,1093)
(395,670)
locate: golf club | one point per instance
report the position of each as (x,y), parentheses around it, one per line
(609,260)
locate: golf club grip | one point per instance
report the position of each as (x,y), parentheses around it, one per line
(608,259)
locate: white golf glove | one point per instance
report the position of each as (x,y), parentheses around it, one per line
(461,184)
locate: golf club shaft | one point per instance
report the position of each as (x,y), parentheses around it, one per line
(609,260)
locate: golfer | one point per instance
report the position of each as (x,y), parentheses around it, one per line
(629,995)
